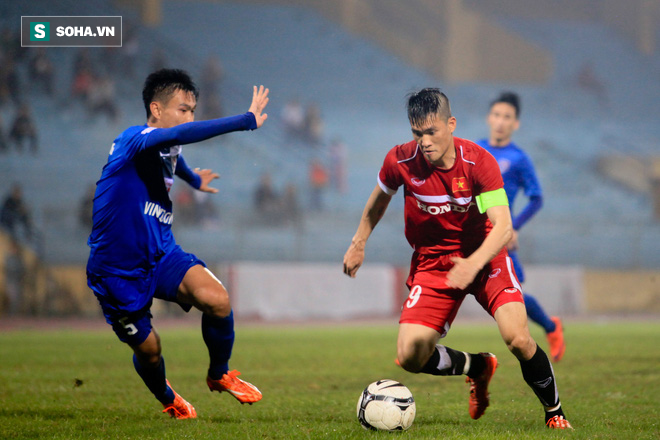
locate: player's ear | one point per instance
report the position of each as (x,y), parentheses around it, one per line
(155,109)
(451,123)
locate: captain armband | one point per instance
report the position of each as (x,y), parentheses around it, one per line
(491,198)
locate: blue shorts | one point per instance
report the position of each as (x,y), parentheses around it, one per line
(126,302)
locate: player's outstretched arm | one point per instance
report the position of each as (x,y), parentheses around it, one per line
(259,102)
(198,131)
(373,212)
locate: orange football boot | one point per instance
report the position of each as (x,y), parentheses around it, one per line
(556,340)
(558,422)
(243,391)
(479,397)
(180,409)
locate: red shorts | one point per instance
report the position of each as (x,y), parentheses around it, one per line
(433,304)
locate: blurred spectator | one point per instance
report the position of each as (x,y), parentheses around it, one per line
(81,86)
(267,201)
(82,62)
(589,81)
(42,71)
(101,98)
(318,180)
(3,137)
(313,125)
(15,213)
(10,44)
(290,206)
(338,158)
(24,128)
(15,275)
(293,118)
(86,208)
(10,85)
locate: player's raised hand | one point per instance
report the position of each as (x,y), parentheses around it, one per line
(259,101)
(207,177)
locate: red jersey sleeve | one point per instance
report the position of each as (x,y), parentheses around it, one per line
(389,177)
(487,176)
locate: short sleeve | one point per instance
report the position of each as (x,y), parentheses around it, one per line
(487,175)
(389,177)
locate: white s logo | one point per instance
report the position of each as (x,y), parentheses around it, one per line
(40,31)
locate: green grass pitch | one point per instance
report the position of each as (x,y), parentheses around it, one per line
(80,384)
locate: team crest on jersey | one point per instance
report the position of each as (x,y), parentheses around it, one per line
(495,273)
(504,164)
(459,184)
(417,181)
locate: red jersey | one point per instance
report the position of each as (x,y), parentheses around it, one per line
(441,212)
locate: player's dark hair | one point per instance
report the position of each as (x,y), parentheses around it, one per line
(508,98)
(427,103)
(163,83)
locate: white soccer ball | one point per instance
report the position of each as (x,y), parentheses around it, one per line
(387,405)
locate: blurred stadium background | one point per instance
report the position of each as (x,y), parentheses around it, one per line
(588,72)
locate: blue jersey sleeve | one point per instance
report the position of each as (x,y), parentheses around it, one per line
(529,181)
(533,206)
(185,173)
(198,131)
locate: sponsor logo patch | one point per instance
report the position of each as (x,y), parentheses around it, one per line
(417,181)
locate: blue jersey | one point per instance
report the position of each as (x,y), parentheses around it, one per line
(519,175)
(132,217)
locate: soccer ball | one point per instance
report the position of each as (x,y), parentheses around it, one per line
(387,405)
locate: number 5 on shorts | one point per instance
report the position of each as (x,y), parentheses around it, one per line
(131,329)
(415,293)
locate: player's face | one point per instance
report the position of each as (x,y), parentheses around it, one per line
(435,139)
(178,110)
(503,122)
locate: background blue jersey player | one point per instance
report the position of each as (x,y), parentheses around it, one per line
(519,175)
(134,257)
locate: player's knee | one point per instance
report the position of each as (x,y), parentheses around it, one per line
(148,352)
(521,345)
(150,360)
(217,302)
(409,358)
(149,356)
(410,364)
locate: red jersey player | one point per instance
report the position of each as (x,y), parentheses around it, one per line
(458,222)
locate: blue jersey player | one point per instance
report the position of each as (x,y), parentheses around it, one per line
(519,175)
(134,257)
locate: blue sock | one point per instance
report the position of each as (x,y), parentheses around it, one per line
(154,379)
(537,314)
(218,335)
